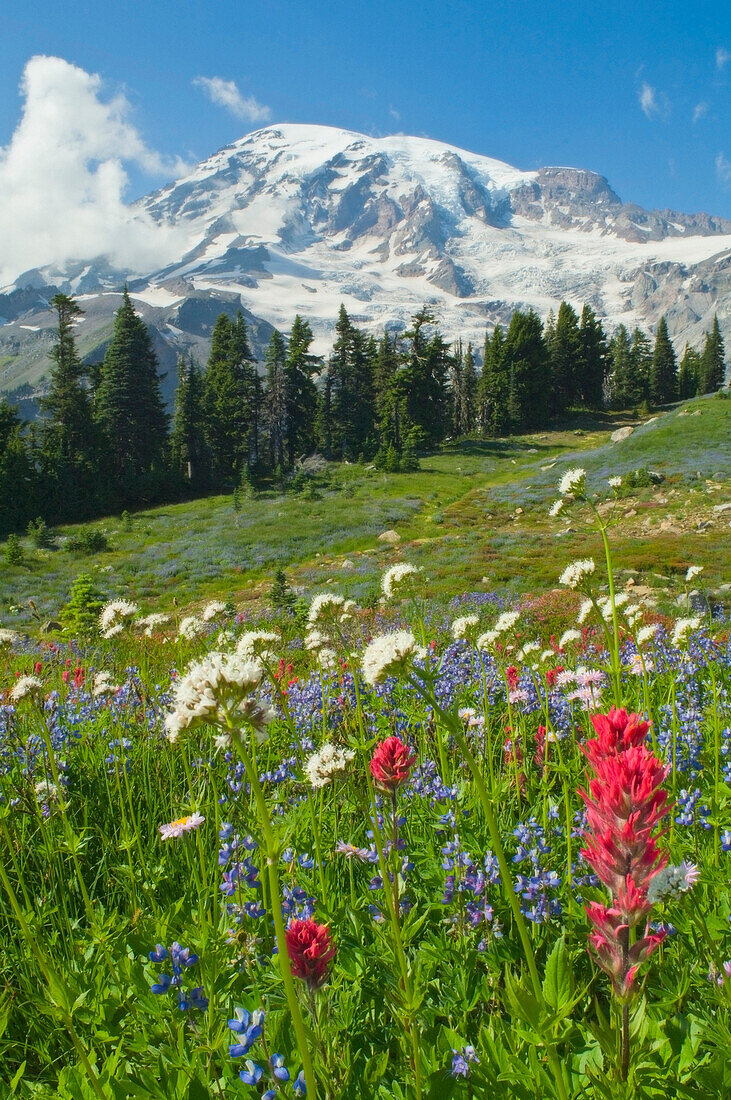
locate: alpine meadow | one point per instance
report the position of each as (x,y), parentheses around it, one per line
(365,660)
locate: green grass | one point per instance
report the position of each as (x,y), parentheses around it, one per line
(475,509)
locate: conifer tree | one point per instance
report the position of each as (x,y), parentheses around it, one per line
(187,439)
(389,394)
(494,386)
(350,372)
(593,358)
(564,351)
(67,440)
(689,373)
(527,363)
(301,391)
(426,366)
(231,398)
(468,395)
(455,388)
(620,351)
(275,400)
(129,406)
(713,363)
(640,378)
(664,379)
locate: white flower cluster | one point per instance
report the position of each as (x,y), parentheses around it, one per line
(464,627)
(102,684)
(329,761)
(25,687)
(683,629)
(113,615)
(646,634)
(505,621)
(220,686)
(212,610)
(693,571)
(190,627)
(615,482)
(397,577)
(326,605)
(573,574)
(573,482)
(556,508)
(150,622)
(46,792)
(671,882)
(584,610)
(569,636)
(256,643)
(389,654)
(8,637)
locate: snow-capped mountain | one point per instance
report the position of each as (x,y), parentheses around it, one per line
(297,219)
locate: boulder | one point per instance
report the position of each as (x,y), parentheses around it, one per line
(389,537)
(621,433)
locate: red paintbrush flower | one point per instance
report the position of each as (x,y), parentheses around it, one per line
(624,807)
(310,951)
(391,763)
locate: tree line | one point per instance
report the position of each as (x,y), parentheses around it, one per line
(104,440)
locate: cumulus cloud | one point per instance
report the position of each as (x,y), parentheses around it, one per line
(723,170)
(226,94)
(722,57)
(700,111)
(62,177)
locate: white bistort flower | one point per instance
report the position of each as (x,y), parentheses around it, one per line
(113,615)
(389,654)
(464,627)
(569,636)
(150,622)
(397,577)
(646,634)
(615,482)
(556,508)
(102,684)
(487,640)
(572,483)
(8,637)
(329,761)
(218,688)
(256,643)
(190,627)
(505,621)
(325,606)
(212,610)
(26,687)
(573,574)
(683,629)
(693,571)
(586,606)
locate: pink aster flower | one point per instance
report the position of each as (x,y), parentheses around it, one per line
(181,825)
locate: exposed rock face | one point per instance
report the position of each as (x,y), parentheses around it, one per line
(297,219)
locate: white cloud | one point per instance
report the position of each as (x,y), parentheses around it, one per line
(226,94)
(723,170)
(722,57)
(700,111)
(62,177)
(395,115)
(654,104)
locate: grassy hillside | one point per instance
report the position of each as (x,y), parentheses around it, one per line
(476,510)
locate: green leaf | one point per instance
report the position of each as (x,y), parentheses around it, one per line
(557,977)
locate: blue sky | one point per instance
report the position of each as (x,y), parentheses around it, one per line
(640,92)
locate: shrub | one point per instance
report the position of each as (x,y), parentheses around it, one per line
(88,542)
(80,616)
(40,534)
(14,551)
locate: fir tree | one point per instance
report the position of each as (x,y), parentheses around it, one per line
(426,367)
(231,397)
(664,379)
(640,378)
(527,364)
(389,393)
(275,400)
(564,352)
(468,394)
(713,363)
(301,392)
(689,373)
(350,371)
(620,352)
(494,386)
(129,406)
(187,439)
(68,449)
(593,358)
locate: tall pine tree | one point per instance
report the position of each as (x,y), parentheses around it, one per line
(664,378)
(301,392)
(188,452)
(713,363)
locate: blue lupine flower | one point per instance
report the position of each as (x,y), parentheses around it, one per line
(252,1074)
(299,1087)
(461,1060)
(279,1069)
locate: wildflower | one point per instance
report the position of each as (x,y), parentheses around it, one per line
(573,574)
(389,654)
(624,806)
(328,762)
(487,640)
(8,637)
(180,957)
(672,882)
(505,621)
(248,1025)
(615,482)
(646,634)
(572,483)
(255,643)
(212,610)
(26,687)
(584,610)
(112,616)
(150,622)
(693,571)
(683,629)
(461,1060)
(102,684)
(391,763)
(190,627)
(397,577)
(299,1087)
(252,1074)
(556,508)
(181,825)
(310,951)
(569,636)
(46,792)
(215,689)
(464,627)
(279,1069)
(324,606)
